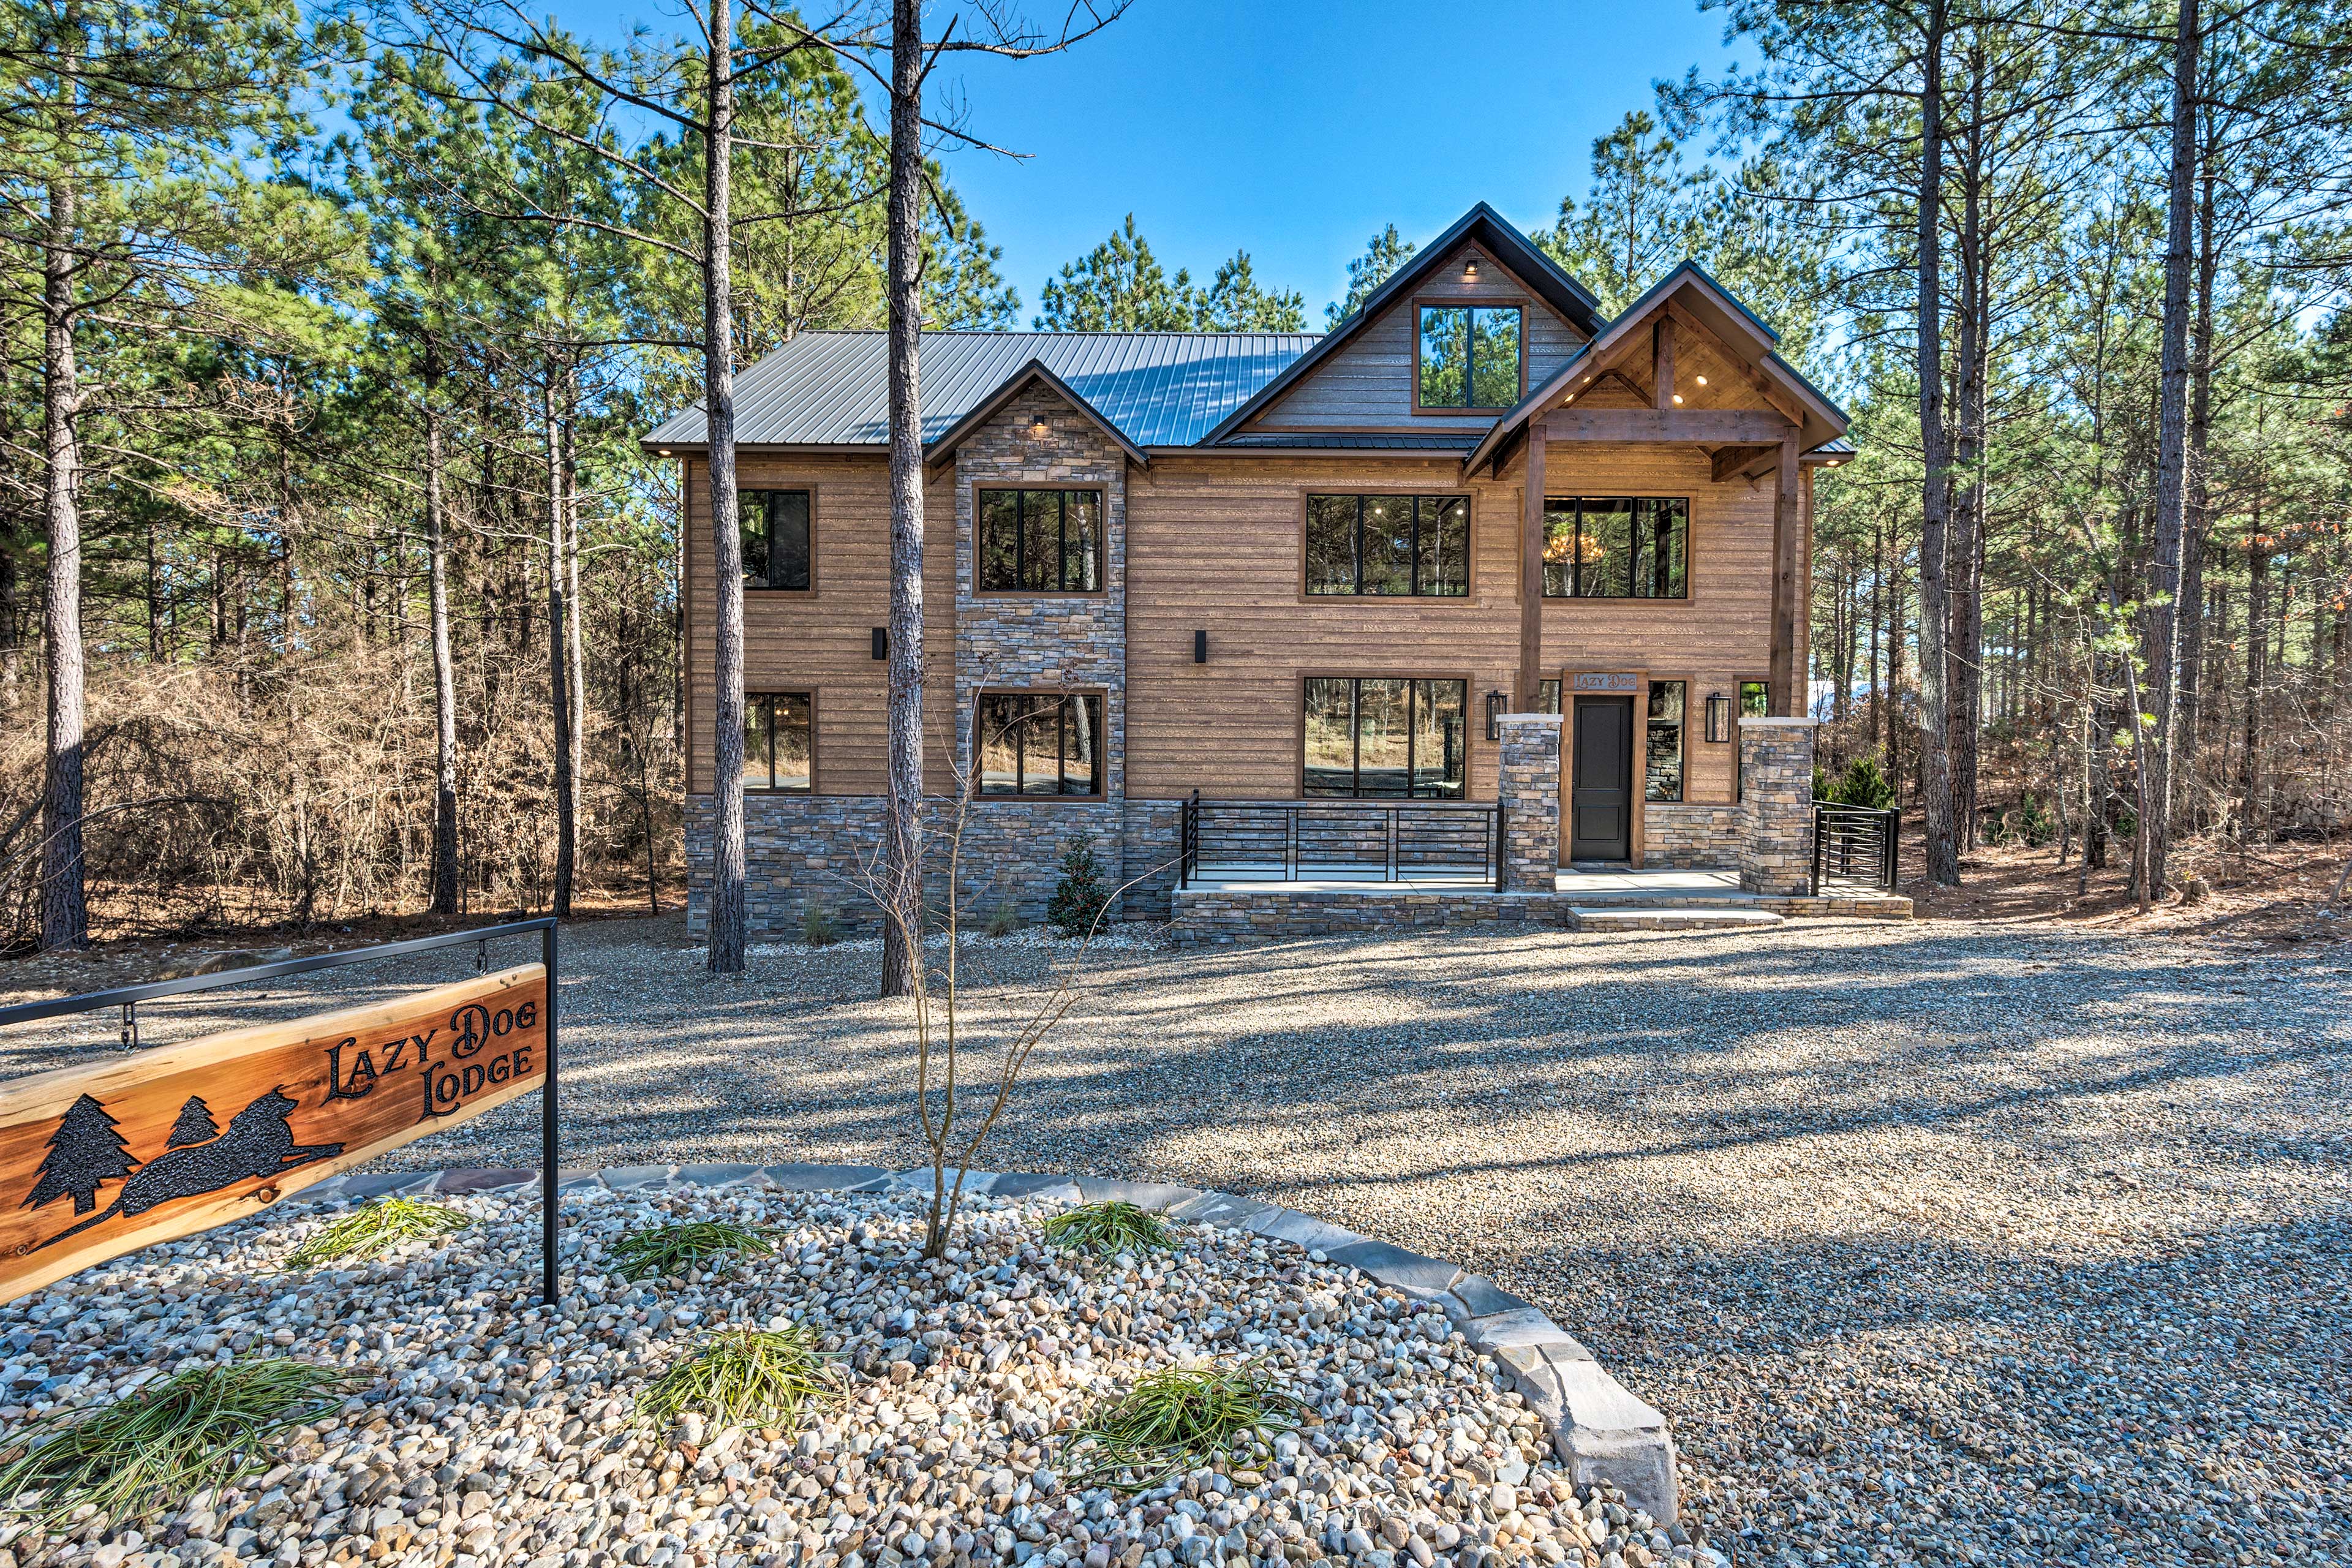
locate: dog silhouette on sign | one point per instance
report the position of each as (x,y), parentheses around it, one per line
(259,1142)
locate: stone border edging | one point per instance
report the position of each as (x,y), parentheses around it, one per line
(1601,1429)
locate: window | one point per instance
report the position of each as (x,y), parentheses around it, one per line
(1469,356)
(777,742)
(1388,544)
(1386,737)
(1547,695)
(1040,541)
(1619,547)
(1755,699)
(1040,743)
(1662,754)
(775,528)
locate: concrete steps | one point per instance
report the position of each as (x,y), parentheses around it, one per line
(1672,917)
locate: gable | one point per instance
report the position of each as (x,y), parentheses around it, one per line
(1368,382)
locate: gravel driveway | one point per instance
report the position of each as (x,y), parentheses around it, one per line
(1937,1243)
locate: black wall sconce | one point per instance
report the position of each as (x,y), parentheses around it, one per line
(1718,716)
(881,642)
(1494,715)
(1200,647)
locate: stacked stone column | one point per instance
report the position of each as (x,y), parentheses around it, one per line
(1527,785)
(1776,802)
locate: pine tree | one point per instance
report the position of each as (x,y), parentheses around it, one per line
(85,1153)
(1386,251)
(195,1124)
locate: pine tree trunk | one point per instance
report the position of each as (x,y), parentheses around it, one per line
(65,912)
(558,671)
(2197,520)
(2258,675)
(1963,546)
(727,858)
(1935,610)
(444,672)
(11,646)
(2160,632)
(902,844)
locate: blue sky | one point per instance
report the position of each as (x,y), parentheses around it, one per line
(1295,129)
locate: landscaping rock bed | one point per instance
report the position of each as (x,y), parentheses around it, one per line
(482,1429)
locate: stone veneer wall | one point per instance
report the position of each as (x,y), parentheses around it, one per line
(1687,837)
(1776,840)
(799,847)
(1239,918)
(1527,785)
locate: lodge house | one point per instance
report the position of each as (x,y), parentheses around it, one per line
(1273,568)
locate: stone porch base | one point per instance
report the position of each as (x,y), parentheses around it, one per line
(1247,915)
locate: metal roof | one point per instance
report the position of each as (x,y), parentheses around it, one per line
(1160,389)
(1459,442)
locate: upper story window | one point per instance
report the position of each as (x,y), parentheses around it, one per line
(1388,544)
(1469,356)
(1616,547)
(1040,541)
(1041,742)
(775,528)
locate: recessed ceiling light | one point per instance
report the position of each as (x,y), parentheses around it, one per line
(1679,397)
(1702,380)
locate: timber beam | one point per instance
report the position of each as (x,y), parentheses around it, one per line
(1710,426)
(1741,462)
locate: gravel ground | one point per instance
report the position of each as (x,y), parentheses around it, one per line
(473,1435)
(1937,1244)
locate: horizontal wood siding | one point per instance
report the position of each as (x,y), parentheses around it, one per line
(822,641)
(1369,382)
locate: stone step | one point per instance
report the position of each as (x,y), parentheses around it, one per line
(1666,917)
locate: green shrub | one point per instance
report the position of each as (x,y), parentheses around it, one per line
(204,1427)
(1180,1418)
(373,1231)
(818,928)
(743,1377)
(1109,1226)
(1861,785)
(1003,920)
(1079,898)
(2035,828)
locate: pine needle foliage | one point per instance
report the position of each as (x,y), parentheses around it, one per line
(207,1427)
(743,1377)
(373,1231)
(1108,1227)
(663,1249)
(1182,1418)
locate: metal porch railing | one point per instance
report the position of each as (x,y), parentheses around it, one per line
(1367,840)
(1855,845)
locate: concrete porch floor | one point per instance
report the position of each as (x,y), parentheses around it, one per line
(1585,883)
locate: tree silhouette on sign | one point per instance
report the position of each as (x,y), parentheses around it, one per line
(195,1124)
(85,1153)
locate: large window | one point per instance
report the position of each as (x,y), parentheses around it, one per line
(1388,544)
(1386,737)
(1040,541)
(776,529)
(1469,356)
(778,752)
(1662,754)
(1041,743)
(1616,547)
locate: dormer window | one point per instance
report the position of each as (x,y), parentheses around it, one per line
(1468,357)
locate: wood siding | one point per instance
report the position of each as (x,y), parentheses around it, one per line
(1368,383)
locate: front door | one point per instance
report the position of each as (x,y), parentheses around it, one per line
(1601,791)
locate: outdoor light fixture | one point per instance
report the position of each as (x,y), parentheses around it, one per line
(1200,647)
(1039,429)
(1494,715)
(881,642)
(1702,380)
(662,453)
(1679,397)
(1718,716)
(1470,272)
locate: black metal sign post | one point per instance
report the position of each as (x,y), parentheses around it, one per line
(128,998)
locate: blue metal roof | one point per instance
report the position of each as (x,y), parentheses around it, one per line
(1160,389)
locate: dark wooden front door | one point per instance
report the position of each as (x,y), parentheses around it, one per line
(1600,792)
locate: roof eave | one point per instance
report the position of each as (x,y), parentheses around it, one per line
(943,446)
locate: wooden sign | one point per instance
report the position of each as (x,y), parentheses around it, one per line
(1594,682)
(101,1159)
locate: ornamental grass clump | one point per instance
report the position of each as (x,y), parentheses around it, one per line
(203,1428)
(674,1248)
(744,1377)
(1108,1227)
(373,1231)
(1182,1418)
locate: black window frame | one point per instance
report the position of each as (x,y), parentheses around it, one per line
(1412,791)
(766,499)
(1027,735)
(1021,495)
(1570,564)
(764,702)
(1651,725)
(1423,503)
(1469,354)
